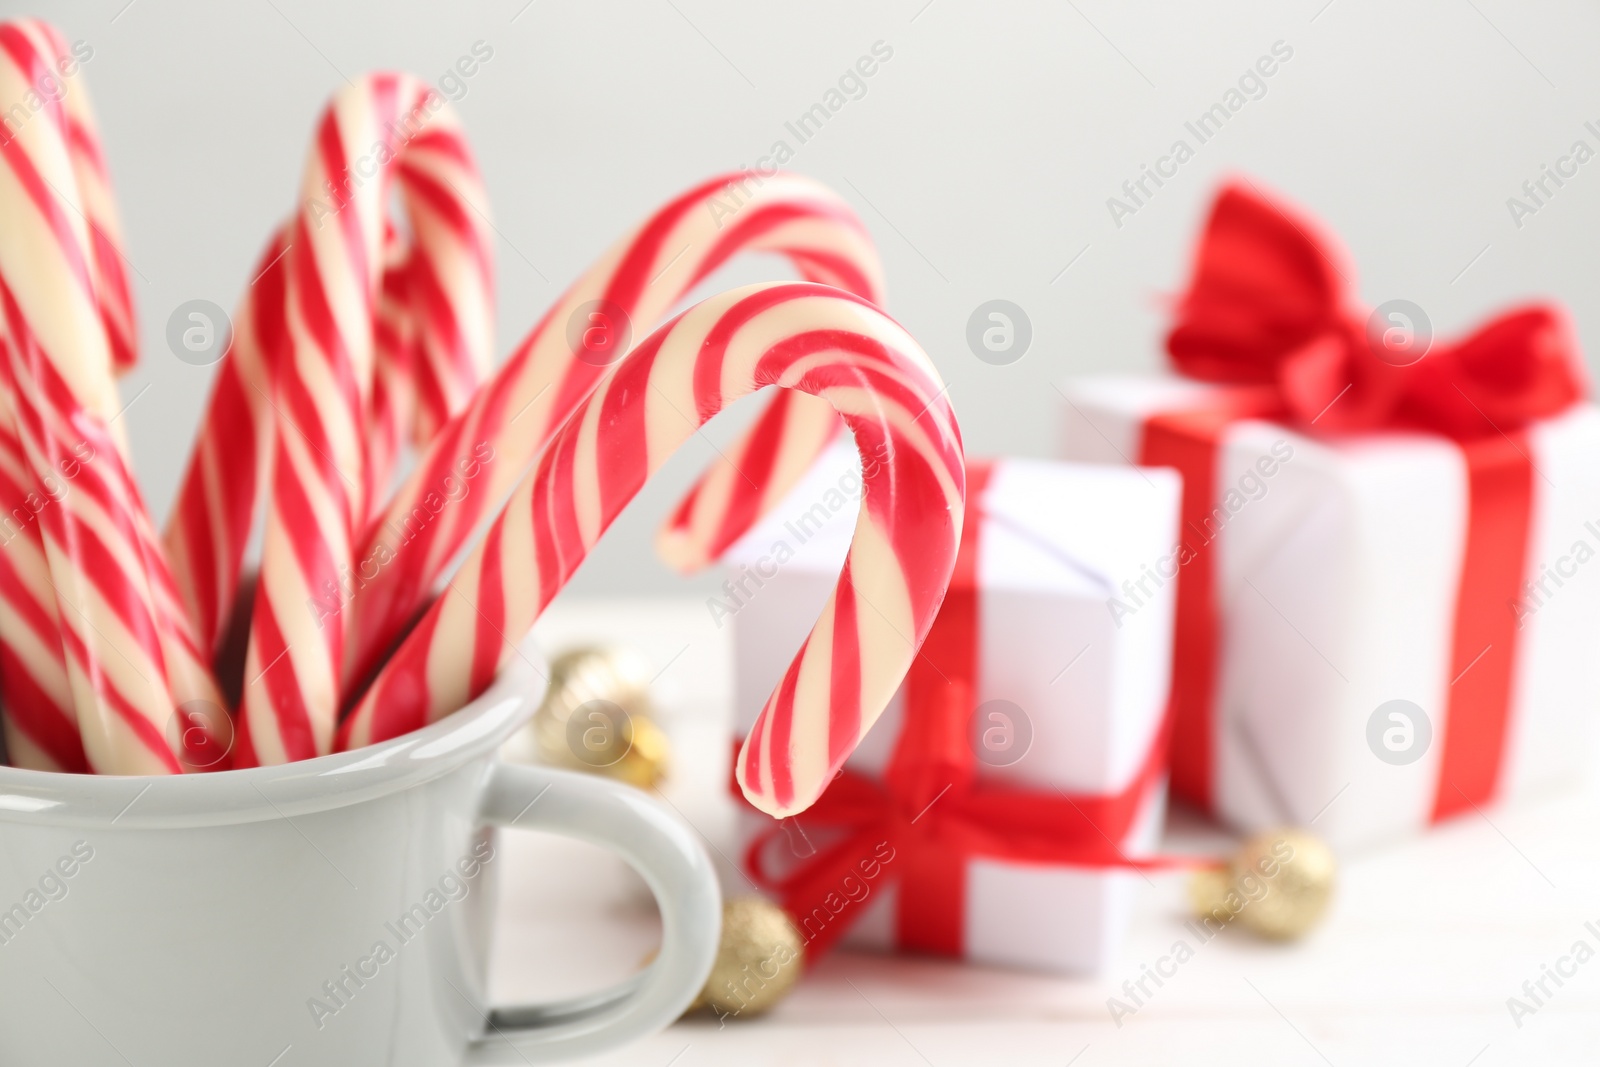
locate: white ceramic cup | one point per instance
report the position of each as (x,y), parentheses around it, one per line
(335,911)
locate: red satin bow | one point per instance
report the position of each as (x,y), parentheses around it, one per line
(1267,306)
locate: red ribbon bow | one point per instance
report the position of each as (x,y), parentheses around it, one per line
(931,815)
(1267,306)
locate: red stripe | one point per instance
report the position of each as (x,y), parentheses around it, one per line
(624,417)
(284,695)
(24,604)
(628,284)
(228,440)
(490,617)
(30,710)
(451,209)
(308,546)
(755,463)
(835,270)
(448,376)
(147,734)
(755,775)
(683,513)
(933,754)
(633,274)
(1483,658)
(567,547)
(1188,441)
(768,218)
(347,216)
(34,67)
(844,681)
(44,199)
(544,531)
(780,715)
(86,150)
(399,698)
(708,397)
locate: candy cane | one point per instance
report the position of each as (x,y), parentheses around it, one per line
(48,239)
(394,415)
(107,262)
(109,629)
(796,336)
(214,513)
(50,67)
(515,414)
(209,528)
(41,728)
(449,276)
(124,637)
(385,128)
(63,261)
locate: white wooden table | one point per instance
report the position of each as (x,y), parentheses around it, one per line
(1424,945)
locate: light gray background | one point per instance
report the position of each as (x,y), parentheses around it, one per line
(981,158)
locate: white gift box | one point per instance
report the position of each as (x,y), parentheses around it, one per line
(1337,579)
(1057,539)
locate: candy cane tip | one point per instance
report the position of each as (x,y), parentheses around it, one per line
(803,795)
(758,799)
(680,551)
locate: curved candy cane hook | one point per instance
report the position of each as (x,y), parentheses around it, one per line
(796,336)
(632,287)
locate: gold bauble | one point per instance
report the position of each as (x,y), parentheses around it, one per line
(758,959)
(645,764)
(1277,885)
(1208,890)
(597,717)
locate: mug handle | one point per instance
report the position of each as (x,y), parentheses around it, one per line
(665,853)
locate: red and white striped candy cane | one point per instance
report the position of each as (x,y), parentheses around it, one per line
(41,726)
(449,276)
(215,509)
(48,241)
(631,288)
(51,68)
(109,627)
(393,418)
(106,262)
(212,515)
(70,325)
(796,336)
(387,128)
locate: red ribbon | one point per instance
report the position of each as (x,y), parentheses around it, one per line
(930,815)
(1266,312)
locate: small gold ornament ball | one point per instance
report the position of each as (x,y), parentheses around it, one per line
(597,717)
(645,764)
(758,961)
(1277,885)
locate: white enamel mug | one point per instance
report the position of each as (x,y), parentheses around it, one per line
(335,911)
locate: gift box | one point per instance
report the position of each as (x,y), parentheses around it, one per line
(998,808)
(1385,614)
